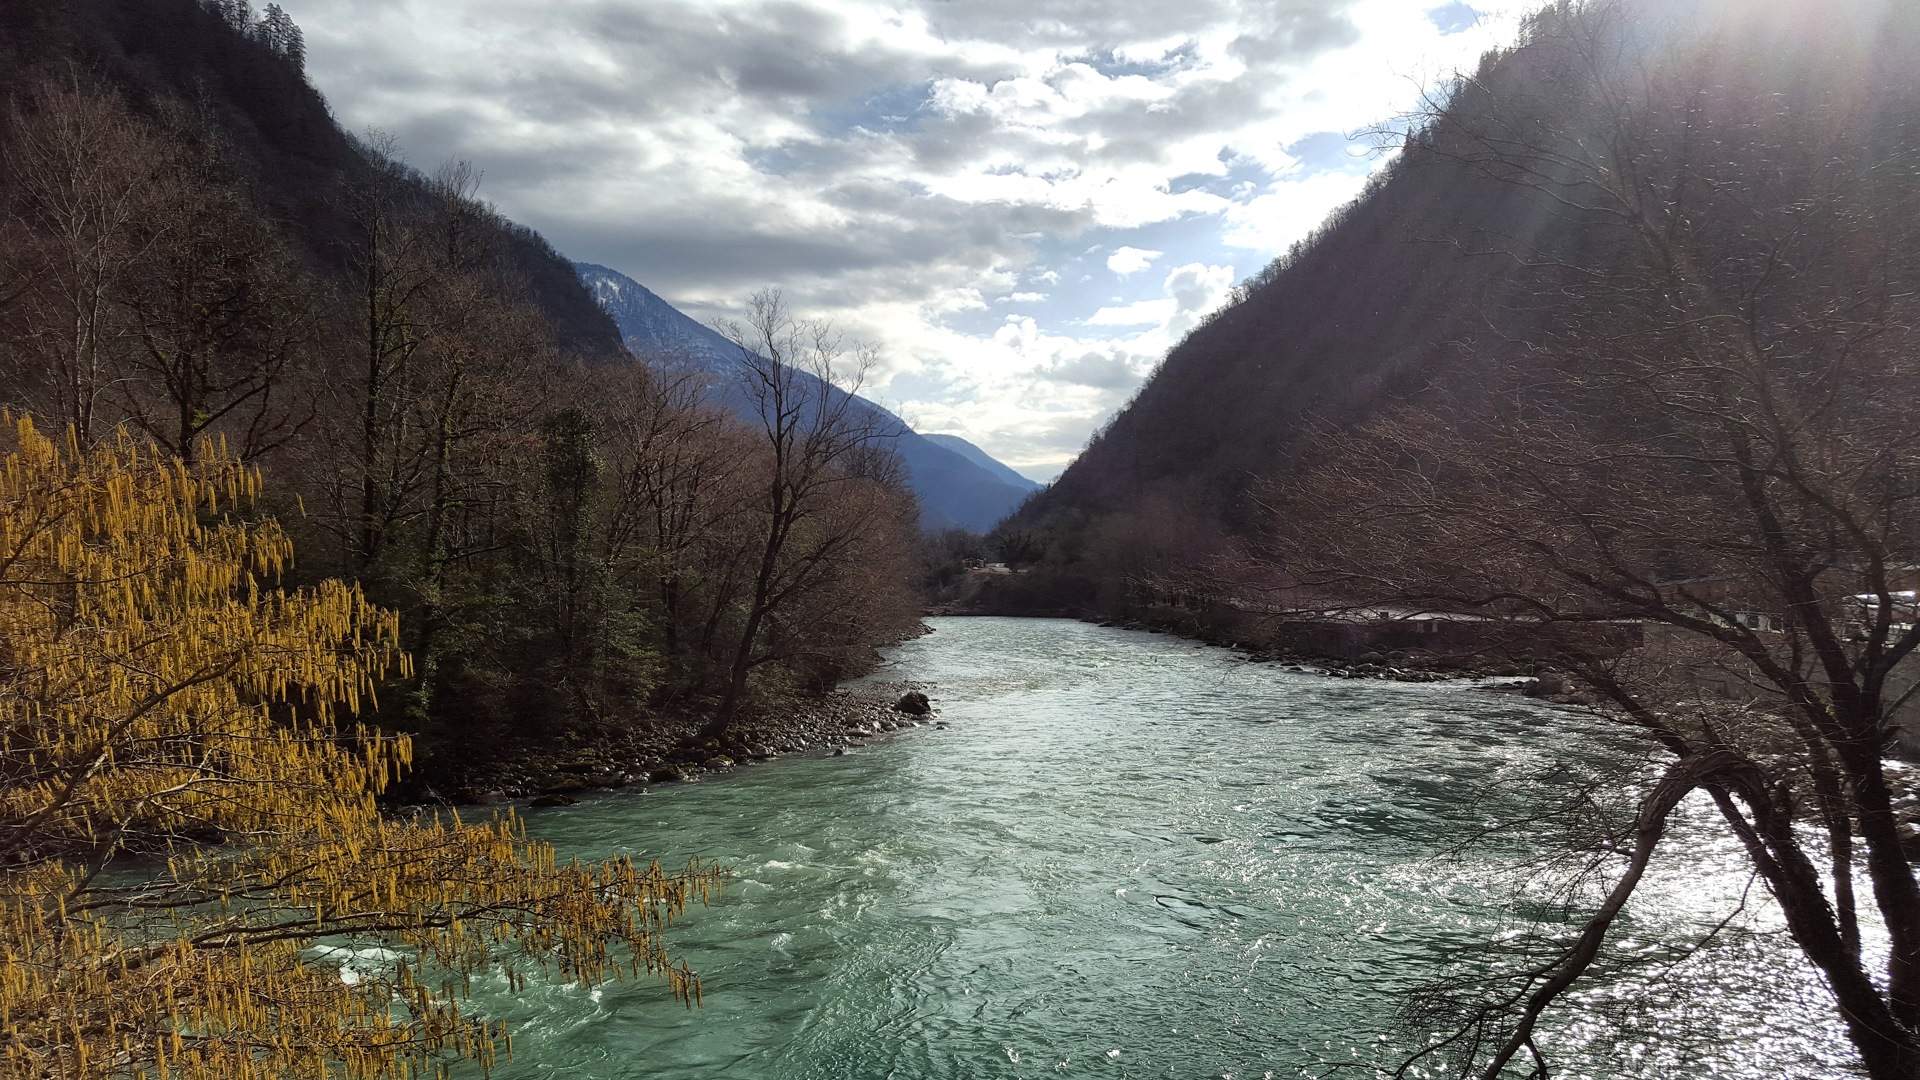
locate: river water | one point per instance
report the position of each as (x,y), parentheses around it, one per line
(1132,856)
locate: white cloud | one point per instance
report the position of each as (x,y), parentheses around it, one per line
(1138,313)
(1288,210)
(1195,290)
(892,163)
(1131,260)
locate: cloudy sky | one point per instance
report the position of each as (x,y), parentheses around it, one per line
(1022,202)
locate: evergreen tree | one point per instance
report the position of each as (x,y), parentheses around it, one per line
(294,46)
(276,30)
(238,13)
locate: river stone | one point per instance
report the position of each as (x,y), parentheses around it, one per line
(913,703)
(1909,835)
(555,800)
(1547,686)
(666,775)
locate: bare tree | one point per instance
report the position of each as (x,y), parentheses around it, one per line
(439,369)
(216,310)
(827,479)
(428,336)
(1700,427)
(80,170)
(678,471)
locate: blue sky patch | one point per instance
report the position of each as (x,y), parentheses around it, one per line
(1111,66)
(888,110)
(1333,151)
(1453,18)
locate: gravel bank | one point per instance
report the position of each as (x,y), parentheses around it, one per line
(662,750)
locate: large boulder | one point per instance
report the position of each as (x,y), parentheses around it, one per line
(913,703)
(1546,686)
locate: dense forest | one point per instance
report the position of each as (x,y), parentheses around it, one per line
(194,254)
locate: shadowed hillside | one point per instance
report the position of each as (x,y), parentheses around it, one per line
(1433,270)
(161,54)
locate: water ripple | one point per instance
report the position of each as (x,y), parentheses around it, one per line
(1132,856)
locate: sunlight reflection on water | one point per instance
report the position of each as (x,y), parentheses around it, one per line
(1134,856)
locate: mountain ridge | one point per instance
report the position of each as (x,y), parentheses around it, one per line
(983,459)
(953,487)
(1403,293)
(171,54)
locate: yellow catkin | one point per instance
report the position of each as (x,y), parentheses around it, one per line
(146,644)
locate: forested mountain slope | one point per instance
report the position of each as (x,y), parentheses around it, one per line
(162,55)
(1363,312)
(1407,291)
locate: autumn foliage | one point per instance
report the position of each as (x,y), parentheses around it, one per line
(159,693)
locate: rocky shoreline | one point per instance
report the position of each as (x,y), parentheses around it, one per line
(1542,686)
(1401,669)
(669,749)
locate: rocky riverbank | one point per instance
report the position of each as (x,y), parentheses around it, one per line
(668,749)
(1396,672)
(1506,678)
(1399,669)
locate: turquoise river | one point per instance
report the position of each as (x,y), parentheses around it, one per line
(1133,856)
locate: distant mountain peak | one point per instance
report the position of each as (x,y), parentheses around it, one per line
(956,482)
(649,324)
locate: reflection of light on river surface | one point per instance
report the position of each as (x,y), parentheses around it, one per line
(1133,856)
